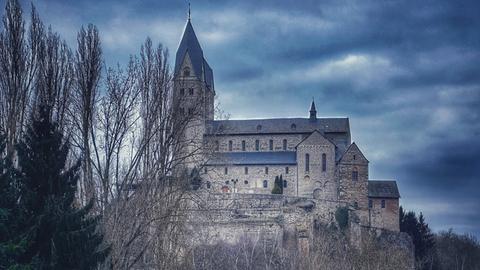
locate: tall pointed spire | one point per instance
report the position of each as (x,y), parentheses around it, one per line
(313,111)
(189,11)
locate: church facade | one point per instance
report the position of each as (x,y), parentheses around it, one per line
(314,156)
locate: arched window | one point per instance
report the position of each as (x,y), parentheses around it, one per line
(284,144)
(208,184)
(307,162)
(354,175)
(324,162)
(217,146)
(243,146)
(355,204)
(284,183)
(293,127)
(230,145)
(226,170)
(186,72)
(270,145)
(246,170)
(266,170)
(265,183)
(257,145)
(259,127)
(383,203)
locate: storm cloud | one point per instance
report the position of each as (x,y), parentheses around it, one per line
(407,73)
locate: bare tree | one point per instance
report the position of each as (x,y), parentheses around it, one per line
(88,66)
(18,67)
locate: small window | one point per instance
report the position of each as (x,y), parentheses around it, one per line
(190,110)
(259,127)
(355,204)
(270,145)
(205,170)
(293,127)
(265,183)
(190,91)
(186,72)
(243,146)
(307,162)
(324,162)
(370,204)
(383,203)
(208,184)
(266,170)
(284,144)
(246,170)
(230,145)
(284,183)
(221,128)
(227,182)
(257,145)
(354,157)
(217,146)
(182,91)
(286,170)
(225,170)
(355,175)
(245,182)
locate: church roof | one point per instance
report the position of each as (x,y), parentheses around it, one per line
(383,189)
(254,158)
(277,125)
(190,44)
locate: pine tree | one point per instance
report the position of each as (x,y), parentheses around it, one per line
(278,185)
(58,235)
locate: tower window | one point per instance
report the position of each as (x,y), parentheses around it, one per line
(243,146)
(208,184)
(182,91)
(370,204)
(324,162)
(259,127)
(355,204)
(217,146)
(286,170)
(354,157)
(265,183)
(186,72)
(293,127)
(257,145)
(190,111)
(230,145)
(266,170)
(225,171)
(354,175)
(270,145)
(284,144)
(383,203)
(190,91)
(246,170)
(284,183)
(307,162)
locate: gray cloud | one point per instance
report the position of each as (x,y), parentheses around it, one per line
(405,72)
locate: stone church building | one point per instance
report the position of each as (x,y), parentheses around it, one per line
(314,155)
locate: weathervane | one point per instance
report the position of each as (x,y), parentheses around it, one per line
(189,12)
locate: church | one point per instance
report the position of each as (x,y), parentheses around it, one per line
(314,156)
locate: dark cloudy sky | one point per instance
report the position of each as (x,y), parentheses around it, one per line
(407,73)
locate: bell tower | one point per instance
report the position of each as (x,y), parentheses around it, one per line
(194,89)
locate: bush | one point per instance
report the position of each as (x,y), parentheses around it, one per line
(341,216)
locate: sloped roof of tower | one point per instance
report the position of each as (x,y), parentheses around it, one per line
(190,44)
(312,107)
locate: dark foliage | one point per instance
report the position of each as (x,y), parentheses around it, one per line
(457,251)
(278,185)
(341,216)
(48,232)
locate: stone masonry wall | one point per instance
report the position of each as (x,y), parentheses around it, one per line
(386,218)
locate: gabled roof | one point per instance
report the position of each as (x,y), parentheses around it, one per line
(190,44)
(278,126)
(254,158)
(314,132)
(383,189)
(351,147)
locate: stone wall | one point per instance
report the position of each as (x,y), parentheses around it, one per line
(264,142)
(251,182)
(315,181)
(386,218)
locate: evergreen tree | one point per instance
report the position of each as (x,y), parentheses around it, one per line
(422,237)
(58,235)
(278,185)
